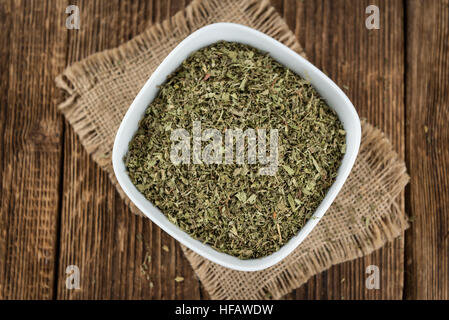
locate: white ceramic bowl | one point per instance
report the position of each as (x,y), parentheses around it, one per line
(334,96)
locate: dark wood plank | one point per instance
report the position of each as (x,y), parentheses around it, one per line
(106,241)
(99,234)
(427,102)
(365,61)
(369,66)
(32,53)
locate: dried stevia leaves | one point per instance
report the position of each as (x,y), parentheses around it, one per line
(232,207)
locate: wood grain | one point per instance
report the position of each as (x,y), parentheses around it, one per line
(98,232)
(30,146)
(427,102)
(371,78)
(369,66)
(57,208)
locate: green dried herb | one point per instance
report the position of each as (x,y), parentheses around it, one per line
(230,206)
(144,267)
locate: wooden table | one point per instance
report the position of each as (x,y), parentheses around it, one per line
(57,208)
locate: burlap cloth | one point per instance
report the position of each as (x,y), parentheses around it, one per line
(365,214)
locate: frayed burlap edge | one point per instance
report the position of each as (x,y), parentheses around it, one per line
(317,253)
(259,15)
(377,154)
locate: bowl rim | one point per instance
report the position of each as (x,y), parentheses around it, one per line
(152,212)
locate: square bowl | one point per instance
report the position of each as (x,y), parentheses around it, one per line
(231,32)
